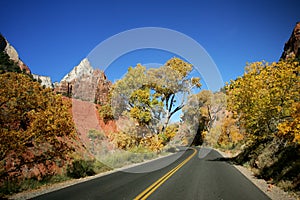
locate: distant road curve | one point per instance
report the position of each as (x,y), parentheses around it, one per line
(197,174)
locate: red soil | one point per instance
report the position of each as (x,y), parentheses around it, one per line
(86,117)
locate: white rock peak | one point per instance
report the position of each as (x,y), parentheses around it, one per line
(44,80)
(84,67)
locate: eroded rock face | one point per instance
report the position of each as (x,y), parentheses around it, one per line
(84,68)
(103,88)
(292,46)
(13,54)
(44,80)
(79,72)
(85,83)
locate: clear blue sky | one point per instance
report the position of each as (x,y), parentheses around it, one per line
(54,36)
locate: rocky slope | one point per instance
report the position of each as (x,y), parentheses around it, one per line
(292,46)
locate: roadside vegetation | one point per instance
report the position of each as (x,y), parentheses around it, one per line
(265,104)
(145,100)
(256,116)
(37,134)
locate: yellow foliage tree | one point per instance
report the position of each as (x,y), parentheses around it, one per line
(291,128)
(150,95)
(169,133)
(202,111)
(266,99)
(30,116)
(230,133)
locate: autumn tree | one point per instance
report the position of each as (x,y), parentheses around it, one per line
(210,106)
(141,106)
(194,122)
(169,133)
(149,96)
(202,111)
(131,97)
(31,115)
(230,133)
(122,90)
(171,81)
(266,99)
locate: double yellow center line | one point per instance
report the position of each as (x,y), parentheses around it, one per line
(147,192)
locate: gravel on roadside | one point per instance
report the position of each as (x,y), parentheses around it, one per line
(274,192)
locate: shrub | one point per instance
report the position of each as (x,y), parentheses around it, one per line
(81,168)
(106,113)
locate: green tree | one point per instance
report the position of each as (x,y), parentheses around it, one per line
(8,65)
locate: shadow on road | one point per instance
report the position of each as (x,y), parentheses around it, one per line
(223,159)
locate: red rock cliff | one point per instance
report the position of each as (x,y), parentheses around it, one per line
(292,46)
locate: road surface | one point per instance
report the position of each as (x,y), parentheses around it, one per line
(197,174)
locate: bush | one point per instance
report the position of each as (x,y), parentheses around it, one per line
(81,168)
(96,134)
(12,185)
(106,113)
(273,160)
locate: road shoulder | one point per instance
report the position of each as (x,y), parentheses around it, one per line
(272,191)
(29,194)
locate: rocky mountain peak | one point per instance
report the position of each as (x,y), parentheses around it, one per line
(44,80)
(292,46)
(84,68)
(85,83)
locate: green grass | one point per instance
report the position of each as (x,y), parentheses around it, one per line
(120,158)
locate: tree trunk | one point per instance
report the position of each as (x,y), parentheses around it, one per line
(166,122)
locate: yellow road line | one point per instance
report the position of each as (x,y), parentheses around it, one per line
(147,192)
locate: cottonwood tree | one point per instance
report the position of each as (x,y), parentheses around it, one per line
(266,100)
(211,105)
(171,81)
(202,111)
(149,96)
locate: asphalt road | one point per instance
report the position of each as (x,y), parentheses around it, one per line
(194,174)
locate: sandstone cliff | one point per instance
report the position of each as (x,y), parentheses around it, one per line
(13,54)
(44,80)
(292,46)
(84,68)
(85,83)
